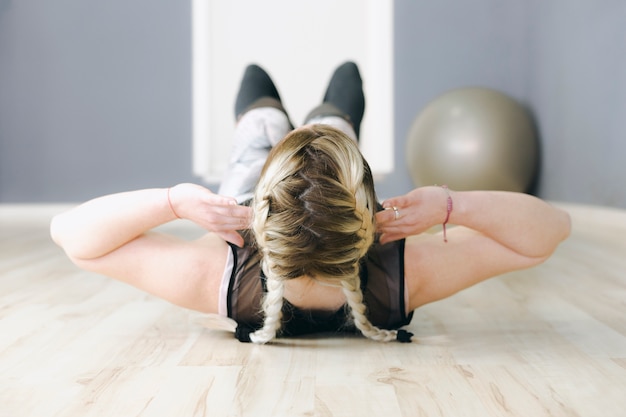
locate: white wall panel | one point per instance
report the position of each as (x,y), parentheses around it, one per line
(299,43)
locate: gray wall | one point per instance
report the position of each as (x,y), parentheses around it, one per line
(563,59)
(95,96)
(578,91)
(446,44)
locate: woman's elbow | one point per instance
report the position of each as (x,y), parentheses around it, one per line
(563,228)
(60,233)
(560,232)
(56,230)
(546,240)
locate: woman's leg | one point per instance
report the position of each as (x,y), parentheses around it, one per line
(261,123)
(344,101)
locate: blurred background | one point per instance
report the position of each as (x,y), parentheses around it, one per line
(96,97)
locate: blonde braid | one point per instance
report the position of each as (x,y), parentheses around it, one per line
(273,300)
(273,308)
(314,211)
(351,285)
(354,296)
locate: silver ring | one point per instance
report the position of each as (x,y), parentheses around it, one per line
(396,212)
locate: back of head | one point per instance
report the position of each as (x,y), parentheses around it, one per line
(314,205)
(314,216)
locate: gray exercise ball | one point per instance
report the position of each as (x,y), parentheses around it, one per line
(473,139)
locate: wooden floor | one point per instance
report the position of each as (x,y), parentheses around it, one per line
(550,341)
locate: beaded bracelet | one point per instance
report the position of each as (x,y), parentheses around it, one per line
(449,207)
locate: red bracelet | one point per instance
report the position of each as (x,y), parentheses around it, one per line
(449,207)
(169,201)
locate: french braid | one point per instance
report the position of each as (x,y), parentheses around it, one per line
(314,216)
(272,306)
(351,285)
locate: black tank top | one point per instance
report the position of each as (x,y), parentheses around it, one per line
(382,283)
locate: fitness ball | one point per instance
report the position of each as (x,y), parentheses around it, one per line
(473,139)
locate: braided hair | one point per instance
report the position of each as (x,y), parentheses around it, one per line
(314,211)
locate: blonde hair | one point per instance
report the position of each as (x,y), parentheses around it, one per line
(314,211)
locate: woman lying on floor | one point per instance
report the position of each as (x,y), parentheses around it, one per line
(297,241)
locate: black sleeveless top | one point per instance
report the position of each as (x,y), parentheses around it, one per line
(382,283)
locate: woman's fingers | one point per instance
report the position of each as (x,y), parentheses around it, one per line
(232,237)
(224,218)
(235,217)
(401,218)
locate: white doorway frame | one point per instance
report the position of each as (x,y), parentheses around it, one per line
(217,70)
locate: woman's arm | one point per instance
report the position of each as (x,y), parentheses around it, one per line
(519,221)
(112,235)
(102,225)
(500,232)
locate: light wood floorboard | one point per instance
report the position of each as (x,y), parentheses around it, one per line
(549,341)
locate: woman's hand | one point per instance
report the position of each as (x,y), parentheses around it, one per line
(216,213)
(417,212)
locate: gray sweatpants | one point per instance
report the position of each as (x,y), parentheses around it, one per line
(256,133)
